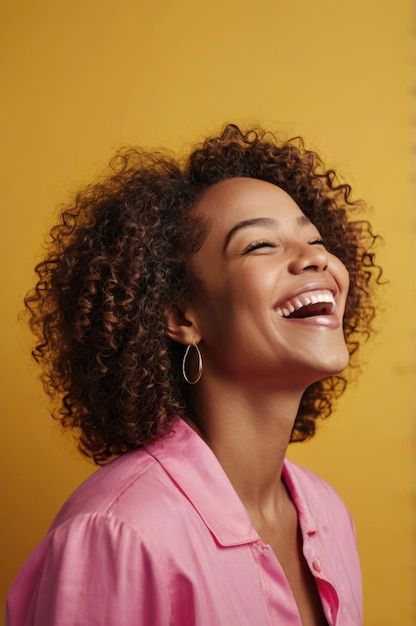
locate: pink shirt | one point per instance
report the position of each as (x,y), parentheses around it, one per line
(159,537)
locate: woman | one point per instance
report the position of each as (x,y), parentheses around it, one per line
(193,316)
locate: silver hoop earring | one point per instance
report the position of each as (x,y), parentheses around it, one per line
(199,371)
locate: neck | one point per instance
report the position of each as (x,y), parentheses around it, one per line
(249,431)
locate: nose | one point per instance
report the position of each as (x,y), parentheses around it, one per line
(308,257)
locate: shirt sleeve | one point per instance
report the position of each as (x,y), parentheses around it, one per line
(92,570)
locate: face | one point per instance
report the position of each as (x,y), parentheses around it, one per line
(271,299)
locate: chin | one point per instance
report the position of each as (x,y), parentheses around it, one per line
(328,363)
(334,366)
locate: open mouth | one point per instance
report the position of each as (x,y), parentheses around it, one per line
(308,304)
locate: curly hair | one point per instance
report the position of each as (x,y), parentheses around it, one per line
(119,257)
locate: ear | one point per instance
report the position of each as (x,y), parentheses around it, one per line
(181,324)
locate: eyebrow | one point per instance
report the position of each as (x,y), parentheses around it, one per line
(269,222)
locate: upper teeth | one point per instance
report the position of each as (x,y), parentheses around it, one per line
(303,299)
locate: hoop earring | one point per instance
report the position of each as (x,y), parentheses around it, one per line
(200,368)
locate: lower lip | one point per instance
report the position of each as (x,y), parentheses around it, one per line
(329,321)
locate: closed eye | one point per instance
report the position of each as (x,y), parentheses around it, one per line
(316,242)
(257,245)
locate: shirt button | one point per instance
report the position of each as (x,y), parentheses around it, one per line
(316,564)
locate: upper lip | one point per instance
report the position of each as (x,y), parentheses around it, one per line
(312,286)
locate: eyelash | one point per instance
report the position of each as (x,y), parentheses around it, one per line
(256,245)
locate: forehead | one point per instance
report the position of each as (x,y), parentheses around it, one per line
(236,199)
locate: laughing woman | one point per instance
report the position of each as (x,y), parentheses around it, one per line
(193,318)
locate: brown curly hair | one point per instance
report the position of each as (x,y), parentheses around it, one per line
(119,258)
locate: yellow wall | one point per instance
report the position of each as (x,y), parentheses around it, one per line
(83,77)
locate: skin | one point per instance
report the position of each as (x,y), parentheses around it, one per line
(260,252)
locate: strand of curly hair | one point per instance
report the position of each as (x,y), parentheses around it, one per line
(118,259)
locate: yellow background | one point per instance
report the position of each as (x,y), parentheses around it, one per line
(81,78)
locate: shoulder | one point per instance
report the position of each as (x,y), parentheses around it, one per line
(315,495)
(113,524)
(309,481)
(92,568)
(123,490)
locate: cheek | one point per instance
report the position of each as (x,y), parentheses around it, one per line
(226,310)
